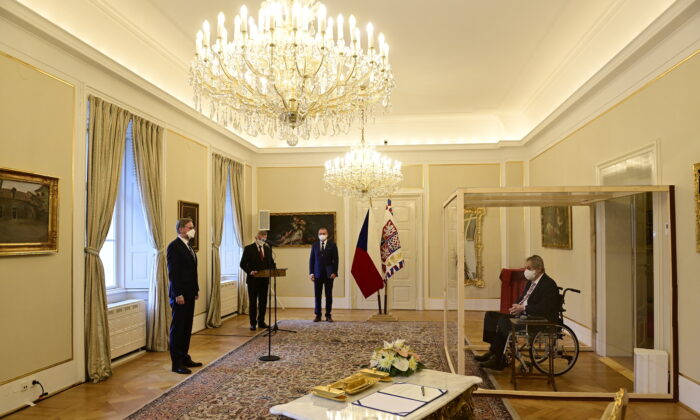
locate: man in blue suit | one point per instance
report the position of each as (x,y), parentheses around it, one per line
(323,269)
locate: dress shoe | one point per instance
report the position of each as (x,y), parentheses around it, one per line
(328,318)
(263,325)
(484,357)
(181,369)
(252,327)
(493,363)
(318,318)
(191,363)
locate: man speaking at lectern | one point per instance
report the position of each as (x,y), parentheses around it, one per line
(257,257)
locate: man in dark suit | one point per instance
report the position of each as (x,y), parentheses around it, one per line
(323,269)
(540,298)
(257,257)
(184,290)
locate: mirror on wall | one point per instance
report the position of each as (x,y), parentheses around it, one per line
(473,246)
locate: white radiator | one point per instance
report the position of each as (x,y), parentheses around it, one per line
(229,297)
(650,371)
(127,326)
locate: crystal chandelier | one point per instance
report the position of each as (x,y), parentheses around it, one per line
(362,172)
(291,73)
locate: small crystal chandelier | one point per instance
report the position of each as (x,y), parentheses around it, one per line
(362,172)
(290,74)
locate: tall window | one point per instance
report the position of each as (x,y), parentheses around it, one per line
(229,251)
(127,254)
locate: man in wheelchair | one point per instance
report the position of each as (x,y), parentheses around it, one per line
(540,298)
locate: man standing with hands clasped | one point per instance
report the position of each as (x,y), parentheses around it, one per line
(323,269)
(184,290)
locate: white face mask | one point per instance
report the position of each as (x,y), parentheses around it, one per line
(322,237)
(529,274)
(260,241)
(190,233)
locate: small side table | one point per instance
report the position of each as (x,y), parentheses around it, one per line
(544,325)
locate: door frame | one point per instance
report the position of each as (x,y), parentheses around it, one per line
(351,243)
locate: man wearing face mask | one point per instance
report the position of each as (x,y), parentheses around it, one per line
(323,269)
(184,290)
(540,298)
(257,257)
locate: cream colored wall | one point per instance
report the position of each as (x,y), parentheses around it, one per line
(186,175)
(37,115)
(515,219)
(443,180)
(667,112)
(412,176)
(288,190)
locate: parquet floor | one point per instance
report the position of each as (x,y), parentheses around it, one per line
(137,382)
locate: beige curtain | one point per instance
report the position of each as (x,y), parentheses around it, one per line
(148,157)
(236,177)
(107,137)
(220,174)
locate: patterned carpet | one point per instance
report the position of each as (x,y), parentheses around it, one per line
(239,386)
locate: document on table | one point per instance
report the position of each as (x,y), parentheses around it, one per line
(400,399)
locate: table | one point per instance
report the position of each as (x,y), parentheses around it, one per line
(457,400)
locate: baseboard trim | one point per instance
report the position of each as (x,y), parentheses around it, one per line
(469,304)
(584,335)
(689,393)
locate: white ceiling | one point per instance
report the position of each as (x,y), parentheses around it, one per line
(467,71)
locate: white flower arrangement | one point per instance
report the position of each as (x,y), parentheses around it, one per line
(397,358)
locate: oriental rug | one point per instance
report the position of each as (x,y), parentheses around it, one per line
(239,386)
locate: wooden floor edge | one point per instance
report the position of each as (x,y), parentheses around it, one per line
(681,404)
(509,393)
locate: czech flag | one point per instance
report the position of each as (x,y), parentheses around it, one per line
(366,275)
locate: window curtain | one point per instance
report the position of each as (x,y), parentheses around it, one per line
(106,142)
(148,157)
(240,227)
(220,174)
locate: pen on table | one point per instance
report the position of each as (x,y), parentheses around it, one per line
(422,390)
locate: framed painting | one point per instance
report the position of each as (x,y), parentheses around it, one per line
(696,175)
(28,213)
(556,227)
(474,246)
(299,229)
(191,210)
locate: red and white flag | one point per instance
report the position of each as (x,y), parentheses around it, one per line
(390,248)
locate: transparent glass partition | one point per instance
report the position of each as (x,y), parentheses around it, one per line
(450,258)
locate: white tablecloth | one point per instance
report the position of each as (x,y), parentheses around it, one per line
(311,407)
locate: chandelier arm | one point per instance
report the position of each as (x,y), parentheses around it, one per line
(250,65)
(240,82)
(284,101)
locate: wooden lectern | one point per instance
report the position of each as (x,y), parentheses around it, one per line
(275,272)
(272,273)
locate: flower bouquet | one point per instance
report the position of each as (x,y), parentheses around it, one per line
(397,358)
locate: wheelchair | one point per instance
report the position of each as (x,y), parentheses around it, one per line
(536,339)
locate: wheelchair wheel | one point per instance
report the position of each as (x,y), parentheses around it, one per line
(566,349)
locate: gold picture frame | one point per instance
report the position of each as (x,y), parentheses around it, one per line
(300,230)
(28,213)
(474,246)
(696,175)
(191,210)
(556,227)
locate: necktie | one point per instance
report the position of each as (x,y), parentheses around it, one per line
(191,251)
(323,247)
(261,253)
(529,292)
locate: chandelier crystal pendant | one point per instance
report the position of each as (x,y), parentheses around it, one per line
(362,172)
(292,73)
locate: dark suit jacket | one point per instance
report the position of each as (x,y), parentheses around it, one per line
(545,299)
(323,265)
(182,270)
(250,261)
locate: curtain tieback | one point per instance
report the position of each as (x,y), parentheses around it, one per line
(92,251)
(215,246)
(162,250)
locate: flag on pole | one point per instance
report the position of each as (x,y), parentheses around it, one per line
(390,248)
(366,275)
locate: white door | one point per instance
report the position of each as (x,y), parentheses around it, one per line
(403,286)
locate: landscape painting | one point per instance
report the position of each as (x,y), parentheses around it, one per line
(28,213)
